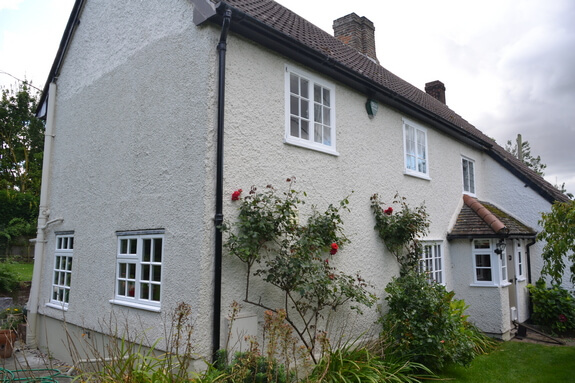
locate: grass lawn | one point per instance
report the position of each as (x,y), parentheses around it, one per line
(24,270)
(518,362)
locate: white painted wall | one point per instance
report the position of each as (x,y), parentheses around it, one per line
(135,149)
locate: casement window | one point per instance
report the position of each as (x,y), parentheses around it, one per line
(415,147)
(431,262)
(468,167)
(62,276)
(519,259)
(310,111)
(139,269)
(483,261)
(489,267)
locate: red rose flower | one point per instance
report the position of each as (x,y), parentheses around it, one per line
(388,211)
(236,195)
(562,318)
(331,276)
(334,248)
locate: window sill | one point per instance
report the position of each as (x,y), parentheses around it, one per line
(417,175)
(57,306)
(522,279)
(483,285)
(307,145)
(135,305)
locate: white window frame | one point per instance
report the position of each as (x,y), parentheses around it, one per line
(520,250)
(431,261)
(129,287)
(62,271)
(320,112)
(497,266)
(469,181)
(420,153)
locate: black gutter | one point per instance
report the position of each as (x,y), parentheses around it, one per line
(257,31)
(219,217)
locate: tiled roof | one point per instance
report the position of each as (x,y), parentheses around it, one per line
(286,22)
(476,220)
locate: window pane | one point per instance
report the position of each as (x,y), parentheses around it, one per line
(326,116)
(326,97)
(294,105)
(145,273)
(483,260)
(146,254)
(156,293)
(294,83)
(304,130)
(317,133)
(123,246)
(483,275)
(317,93)
(157,274)
(294,127)
(304,88)
(131,271)
(317,113)
(482,244)
(158,250)
(327,135)
(131,289)
(144,291)
(133,246)
(305,109)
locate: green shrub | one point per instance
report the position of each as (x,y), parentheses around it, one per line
(427,325)
(9,279)
(553,307)
(356,362)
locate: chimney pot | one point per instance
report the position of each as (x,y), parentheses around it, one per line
(436,89)
(357,32)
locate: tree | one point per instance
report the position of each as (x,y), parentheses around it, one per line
(22,135)
(522,151)
(21,153)
(559,234)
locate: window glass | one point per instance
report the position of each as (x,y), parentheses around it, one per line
(62,274)
(139,272)
(415,146)
(313,128)
(468,176)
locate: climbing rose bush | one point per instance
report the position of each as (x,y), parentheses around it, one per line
(293,254)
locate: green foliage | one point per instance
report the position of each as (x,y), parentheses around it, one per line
(294,257)
(427,325)
(559,234)
(22,138)
(553,307)
(9,279)
(522,151)
(400,229)
(355,362)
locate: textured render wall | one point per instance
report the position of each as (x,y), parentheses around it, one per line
(133,151)
(370,161)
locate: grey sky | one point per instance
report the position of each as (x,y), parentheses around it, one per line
(508,65)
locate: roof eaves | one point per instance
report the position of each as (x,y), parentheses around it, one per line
(73,22)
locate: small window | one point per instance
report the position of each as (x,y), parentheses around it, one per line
(482,255)
(431,262)
(468,175)
(519,259)
(489,267)
(139,269)
(310,111)
(62,277)
(415,147)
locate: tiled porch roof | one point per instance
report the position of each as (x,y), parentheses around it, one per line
(481,219)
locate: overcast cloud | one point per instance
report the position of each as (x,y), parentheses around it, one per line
(508,65)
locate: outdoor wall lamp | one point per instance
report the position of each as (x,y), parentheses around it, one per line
(371,106)
(500,247)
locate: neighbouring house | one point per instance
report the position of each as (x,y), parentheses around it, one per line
(137,173)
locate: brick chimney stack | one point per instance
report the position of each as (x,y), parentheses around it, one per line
(436,89)
(357,32)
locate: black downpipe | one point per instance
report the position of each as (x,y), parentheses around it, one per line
(219,217)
